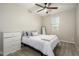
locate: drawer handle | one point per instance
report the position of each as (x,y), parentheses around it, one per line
(11,37)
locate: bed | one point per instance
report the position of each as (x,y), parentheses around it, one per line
(43,43)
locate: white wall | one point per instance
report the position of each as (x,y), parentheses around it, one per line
(77,28)
(17,18)
(67,25)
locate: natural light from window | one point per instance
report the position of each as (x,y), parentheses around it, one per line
(55,22)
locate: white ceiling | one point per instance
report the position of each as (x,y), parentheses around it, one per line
(61,7)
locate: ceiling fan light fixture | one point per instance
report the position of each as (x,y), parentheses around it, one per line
(45,10)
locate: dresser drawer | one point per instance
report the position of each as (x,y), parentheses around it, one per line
(10,44)
(8,35)
(11,41)
(11,49)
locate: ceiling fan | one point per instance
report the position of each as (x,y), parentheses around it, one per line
(46,6)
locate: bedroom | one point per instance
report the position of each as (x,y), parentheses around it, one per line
(23,17)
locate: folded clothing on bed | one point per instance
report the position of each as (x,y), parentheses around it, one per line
(47,37)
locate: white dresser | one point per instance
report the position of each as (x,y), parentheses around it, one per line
(11,42)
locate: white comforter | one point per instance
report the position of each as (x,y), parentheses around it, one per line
(46,47)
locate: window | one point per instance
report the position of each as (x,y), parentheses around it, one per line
(55,21)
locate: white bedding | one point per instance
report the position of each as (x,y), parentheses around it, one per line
(46,47)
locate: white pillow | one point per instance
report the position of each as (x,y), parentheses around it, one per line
(34,33)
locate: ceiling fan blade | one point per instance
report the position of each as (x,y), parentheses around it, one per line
(39,5)
(52,7)
(40,10)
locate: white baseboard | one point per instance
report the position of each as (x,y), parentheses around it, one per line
(67,41)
